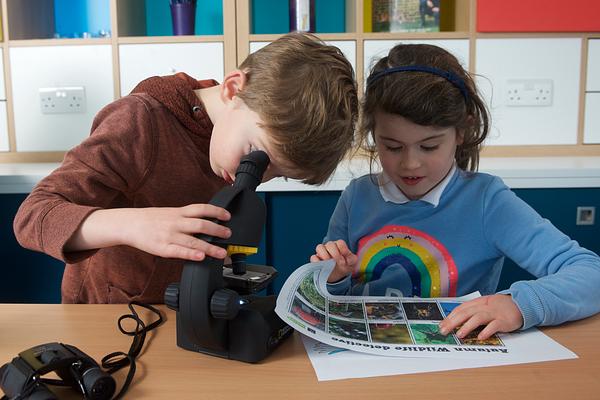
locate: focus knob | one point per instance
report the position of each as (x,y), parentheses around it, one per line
(224,304)
(172,296)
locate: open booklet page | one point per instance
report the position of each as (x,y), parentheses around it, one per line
(391,326)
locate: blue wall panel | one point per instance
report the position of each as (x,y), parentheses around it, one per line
(560,207)
(296,223)
(27,276)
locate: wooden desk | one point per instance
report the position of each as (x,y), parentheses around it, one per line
(168,372)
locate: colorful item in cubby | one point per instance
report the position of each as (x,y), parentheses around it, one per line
(405,15)
(302,15)
(183,14)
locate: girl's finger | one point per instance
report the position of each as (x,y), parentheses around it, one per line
(351,259)
(322,252)
(489,330)
(342,247)
(474,322)
(468,304)
(333,251)
(456,318)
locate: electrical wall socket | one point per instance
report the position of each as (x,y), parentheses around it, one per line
(528,92)
(62,100)
(586,215)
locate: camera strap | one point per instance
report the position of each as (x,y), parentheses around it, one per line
(117,360)
(112,362)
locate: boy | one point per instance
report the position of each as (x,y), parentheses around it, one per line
(124,207)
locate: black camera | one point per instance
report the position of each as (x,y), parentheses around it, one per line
(22,378)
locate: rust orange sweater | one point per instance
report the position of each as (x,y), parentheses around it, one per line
(148,149)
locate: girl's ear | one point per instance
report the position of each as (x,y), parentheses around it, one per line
(460,133)
(232,84)
(460,137)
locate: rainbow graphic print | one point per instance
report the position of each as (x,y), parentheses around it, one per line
(418,257)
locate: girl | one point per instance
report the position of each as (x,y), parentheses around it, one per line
(429,226)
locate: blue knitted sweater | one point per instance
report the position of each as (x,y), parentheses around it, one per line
(459,246)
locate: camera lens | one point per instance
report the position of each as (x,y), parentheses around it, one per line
(98,384)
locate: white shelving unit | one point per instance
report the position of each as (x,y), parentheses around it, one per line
(110,67)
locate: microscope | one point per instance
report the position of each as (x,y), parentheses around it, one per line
(218,311)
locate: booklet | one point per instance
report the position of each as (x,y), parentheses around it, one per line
(332,363)
(390,326)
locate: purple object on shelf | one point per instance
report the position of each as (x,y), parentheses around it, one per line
(184,17)
(302,15)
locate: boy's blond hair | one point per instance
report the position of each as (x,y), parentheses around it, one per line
(305,94)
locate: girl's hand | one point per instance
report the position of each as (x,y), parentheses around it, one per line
(344,259)
(499,312)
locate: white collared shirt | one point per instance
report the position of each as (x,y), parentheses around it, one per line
(390,192)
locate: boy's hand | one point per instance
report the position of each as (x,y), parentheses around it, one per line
(169,232)
(344,259)
(162,231)
(499,312)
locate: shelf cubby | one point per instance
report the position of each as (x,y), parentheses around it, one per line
(108,46)
(272,16)
(58,19)
(150,18)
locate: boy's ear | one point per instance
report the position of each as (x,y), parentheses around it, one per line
(232,84)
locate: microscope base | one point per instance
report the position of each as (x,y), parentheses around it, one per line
(252,334)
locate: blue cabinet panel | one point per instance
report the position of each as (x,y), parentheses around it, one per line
(560,207)
(27,276)
(296,223)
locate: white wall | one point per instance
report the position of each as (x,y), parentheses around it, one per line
(3,121)
(347,47)
(376,49)
(591,124)
(558,60)
(141,61)
(33,68)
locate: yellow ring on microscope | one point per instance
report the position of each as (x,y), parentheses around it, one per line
(235,249)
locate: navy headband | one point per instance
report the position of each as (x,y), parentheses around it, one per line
(449,76)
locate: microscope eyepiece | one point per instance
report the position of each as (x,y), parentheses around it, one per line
(251,169)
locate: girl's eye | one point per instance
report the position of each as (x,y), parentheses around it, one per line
(429,148)
(393,149)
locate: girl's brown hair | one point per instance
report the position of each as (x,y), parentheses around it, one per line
(427,99)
